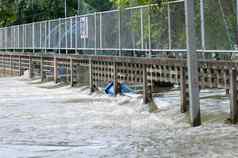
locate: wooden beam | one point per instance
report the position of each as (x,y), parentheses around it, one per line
(233,95)
(184,100)
(55,69)
(71,73)
(145,84)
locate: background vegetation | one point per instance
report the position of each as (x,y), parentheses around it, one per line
(220,16)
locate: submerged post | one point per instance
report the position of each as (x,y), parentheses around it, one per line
(115,85)
(71,72)
(91,75)
(19,65)
(11,67)
(30,66)
(192,63)
(145,88)
(184,102)
(233,95)
(42,69)
(55,69)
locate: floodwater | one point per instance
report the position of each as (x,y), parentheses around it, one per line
(52,121)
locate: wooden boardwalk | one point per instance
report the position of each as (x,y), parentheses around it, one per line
(98,70)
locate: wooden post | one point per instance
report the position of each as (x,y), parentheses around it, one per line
(91,75)
(115,85)
(42,68)
(184,100)
(4,65)
(145,88)
(55,69)
(11,67)
(19,66)
(30,67)
(71,72)
(233,95)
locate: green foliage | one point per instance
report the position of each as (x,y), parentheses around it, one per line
(220,28)
(7,12)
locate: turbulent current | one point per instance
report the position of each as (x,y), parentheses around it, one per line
(44,120)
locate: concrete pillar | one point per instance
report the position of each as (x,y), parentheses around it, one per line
(91,75)
(145,85)
(233,96)
(184,100)
(55,69)
(115,85)
(71,72)
(19,66)
(193,81)
(42,68)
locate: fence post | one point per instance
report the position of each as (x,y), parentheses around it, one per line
(40,36)
(71,32)
(66,35)
(194,106)
(100,29)
(233,95)
(149,30)
(49,34)
(24,38)
(33,37)
(202,26)
(46,37)
(142,28)
(95,33)
(59,31)
(76,34)
(14,39)
(119,30)
(169,26)
(18,36)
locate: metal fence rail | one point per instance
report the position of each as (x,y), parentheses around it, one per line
(148,29)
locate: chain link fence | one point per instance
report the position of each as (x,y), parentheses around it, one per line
(144,30)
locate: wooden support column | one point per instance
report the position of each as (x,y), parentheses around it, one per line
(19,66)
(4,65)
(145,85)
(115,85)
(42,68)
(184,98)
(71,72)
(55,69)
(233,96)
(30,67)
(91,75)
(11,67)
